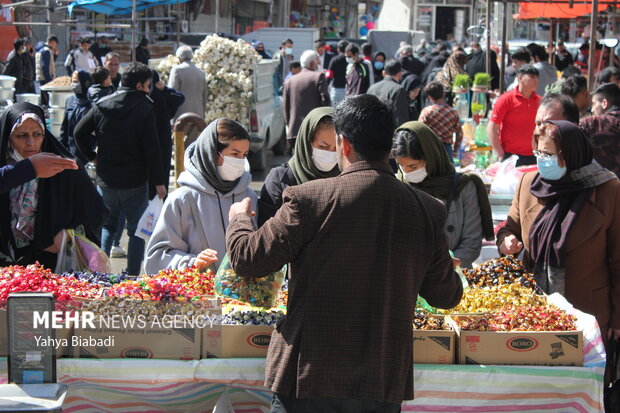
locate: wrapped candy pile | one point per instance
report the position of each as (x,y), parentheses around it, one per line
(422,321)
(228,67)
(489,299)
(260,292)
(122,306)
(249,316)
(499,271)
(523,318)
(98,278)
(167,285)
(36,278)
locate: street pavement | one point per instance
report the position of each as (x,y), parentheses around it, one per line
(258,177)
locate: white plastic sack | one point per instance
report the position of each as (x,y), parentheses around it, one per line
(147,222)
(507,177)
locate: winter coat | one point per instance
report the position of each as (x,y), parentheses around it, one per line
(176,242)
(128,151)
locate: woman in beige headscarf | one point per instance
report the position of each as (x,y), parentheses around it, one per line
(455,65)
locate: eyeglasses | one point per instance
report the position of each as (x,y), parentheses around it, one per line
(545,156)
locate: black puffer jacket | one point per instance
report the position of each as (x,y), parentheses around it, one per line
(128,152)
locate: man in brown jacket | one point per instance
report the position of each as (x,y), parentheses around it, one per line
(303,92)
(360,248)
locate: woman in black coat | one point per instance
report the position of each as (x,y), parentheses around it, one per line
(34,215)
(166,101)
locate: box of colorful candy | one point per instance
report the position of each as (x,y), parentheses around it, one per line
(433,340)
(243,332)
(522,335)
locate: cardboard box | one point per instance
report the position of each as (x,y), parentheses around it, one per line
(63,335)
(238,341)
(434,346)
(536,348)
(156,343)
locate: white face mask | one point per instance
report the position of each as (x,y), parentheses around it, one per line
(325,161)
(232,168)
(417,176)
(350,60)
(288,50)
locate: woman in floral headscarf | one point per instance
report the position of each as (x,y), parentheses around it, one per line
(455,65)
(34,215)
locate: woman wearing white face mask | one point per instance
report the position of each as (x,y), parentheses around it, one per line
(424,164)
(314,158)
(191,229)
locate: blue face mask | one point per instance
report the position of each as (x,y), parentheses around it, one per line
(378,65)
(549,169)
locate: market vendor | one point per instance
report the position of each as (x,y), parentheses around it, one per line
(314,157)
(34,214)
(567,217)
(425,165)
(191,229)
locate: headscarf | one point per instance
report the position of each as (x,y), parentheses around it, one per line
(86,81)
(203,155)
(378,73)
(66,200)
(411,82)
(565,197)
(301,163)
(441,174)
(455,65)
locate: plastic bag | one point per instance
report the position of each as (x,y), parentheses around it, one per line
(147,222)
(507,177)
(258,292)
(78,253)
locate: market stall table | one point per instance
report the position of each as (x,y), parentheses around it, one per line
(146,385)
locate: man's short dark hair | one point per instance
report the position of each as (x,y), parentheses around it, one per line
(393,67)
(52,38)
(527,70)
(566,103)
(84,40)
(135,73)
(570,71)
(100,74)
(609,91)
(537,50)
(342,46)
(522,55)
(319,43)
(367,49)
(352,48)
(434,90)
(574,85)
(367,124)
(18,43)
(607,74)
(295,65)
(287,41)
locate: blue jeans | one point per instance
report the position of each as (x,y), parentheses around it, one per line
(119,230)
(132,202)
(336,94)
(448,147)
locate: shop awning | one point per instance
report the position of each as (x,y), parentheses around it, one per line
(554,10)
(118,7)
